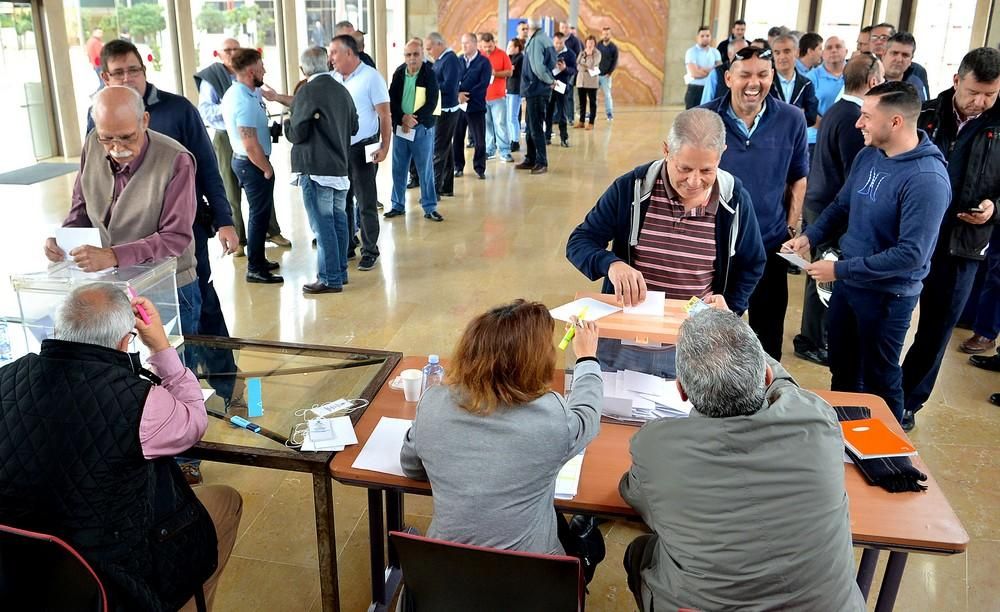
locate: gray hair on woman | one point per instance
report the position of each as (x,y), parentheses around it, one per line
(96,313)
(699,128)
(721,365)
(314,60)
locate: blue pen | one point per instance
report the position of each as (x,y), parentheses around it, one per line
(245,424)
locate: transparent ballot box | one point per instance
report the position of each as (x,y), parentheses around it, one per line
(40,294)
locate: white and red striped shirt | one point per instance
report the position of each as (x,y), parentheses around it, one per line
(676,248)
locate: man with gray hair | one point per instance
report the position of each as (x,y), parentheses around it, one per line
(678,225)
(322,121)
(114,426)
(745,497)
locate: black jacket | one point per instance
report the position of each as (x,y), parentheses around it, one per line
(425,79)
(837,144)
(803,96)
(974,168)
(320,128)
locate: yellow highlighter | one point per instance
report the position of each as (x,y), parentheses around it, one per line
(572,330)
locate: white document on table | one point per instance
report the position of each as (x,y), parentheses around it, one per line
(381,451)
(595,71)
(69,238)
(338,433)
(560,86)
(410,135)
(207,393)
(568,479)
(648,384)
(371,149)
(651,306)
(596,309)
(794,259)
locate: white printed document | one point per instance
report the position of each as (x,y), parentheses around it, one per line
(651,306)
(596,309)
(794,259)
(381,451)
(329,434)
(69,238)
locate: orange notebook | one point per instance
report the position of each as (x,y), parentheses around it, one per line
(871,439)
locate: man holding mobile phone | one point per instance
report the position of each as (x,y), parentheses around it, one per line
(964,122)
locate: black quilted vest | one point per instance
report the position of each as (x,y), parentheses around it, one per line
(71,464)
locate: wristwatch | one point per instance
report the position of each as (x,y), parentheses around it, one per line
(792,231)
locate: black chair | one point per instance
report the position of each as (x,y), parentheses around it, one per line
(42,572)
(440,575)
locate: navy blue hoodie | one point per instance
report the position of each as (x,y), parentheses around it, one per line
(619,214)
(893,208)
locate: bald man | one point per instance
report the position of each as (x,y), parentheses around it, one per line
(213,82)
(143,217)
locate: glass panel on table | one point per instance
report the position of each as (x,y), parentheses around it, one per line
(291,379)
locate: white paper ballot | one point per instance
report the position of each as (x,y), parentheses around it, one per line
(560,87)
(405,135)
(794,259)
(207,393)
(595,310)
(371,149)
(69,238)
(556,71)
(464,107)
(568,480)
(595,71)
(329,434)
(651,306)
(381,451)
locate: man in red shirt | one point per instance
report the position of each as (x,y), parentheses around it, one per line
(497,136)
(93,46)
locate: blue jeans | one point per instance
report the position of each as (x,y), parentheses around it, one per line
(189,307)
(658,360)
(260,196)
(866,329)
(604,82)
(496,127)
(421,151)
(327,211)
(513,117)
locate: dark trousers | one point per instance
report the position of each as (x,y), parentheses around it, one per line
(555,114)
(812,333)
(867,329)
(217,365)
(476,124)
(692,97)
(587,96)
(534,108)
(362,175)
(444,157)
(260,197)
(638,556)
(946,289)
(768,304)
(987,322)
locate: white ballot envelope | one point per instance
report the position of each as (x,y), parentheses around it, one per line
(794,259)
(560,87)
(69,238)
(594,71)
(371,149)
(405,135)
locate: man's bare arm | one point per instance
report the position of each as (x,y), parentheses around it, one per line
(255,152)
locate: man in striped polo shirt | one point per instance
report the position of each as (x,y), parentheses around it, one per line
(678,225)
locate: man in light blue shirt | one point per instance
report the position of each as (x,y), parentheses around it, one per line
(810,53)
(245,117)
(700,60)
(827,80)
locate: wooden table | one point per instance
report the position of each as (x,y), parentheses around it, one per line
(640,329)
(897,522)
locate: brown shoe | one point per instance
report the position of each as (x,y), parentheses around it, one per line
(192,473)
(578,125)
(977,344)
(525,166)
(590,126)
(539,169)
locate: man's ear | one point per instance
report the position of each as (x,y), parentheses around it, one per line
(680,389)
(768,376)
(145,120)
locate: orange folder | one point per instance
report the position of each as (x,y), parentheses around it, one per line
(871,439)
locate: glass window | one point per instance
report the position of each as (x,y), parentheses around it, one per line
(316,19)
(842,18)
(943,37)
(760,15)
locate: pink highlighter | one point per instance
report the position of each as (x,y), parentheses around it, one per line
(142,311)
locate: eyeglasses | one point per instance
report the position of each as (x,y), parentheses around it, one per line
(874,59)
(880,37)
(122,140)
(132,336)
(131,71)
(748,52)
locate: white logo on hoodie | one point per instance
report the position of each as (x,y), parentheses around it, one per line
(875,179)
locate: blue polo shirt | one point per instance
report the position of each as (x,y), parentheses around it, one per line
(244,107)
(828,88)
(801,68)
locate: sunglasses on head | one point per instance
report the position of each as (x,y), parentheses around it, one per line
(748,52)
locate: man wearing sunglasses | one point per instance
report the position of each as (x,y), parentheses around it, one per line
(766,149)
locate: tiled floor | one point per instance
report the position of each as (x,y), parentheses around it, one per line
(503,238)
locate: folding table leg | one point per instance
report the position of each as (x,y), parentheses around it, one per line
(326,532)
(890,581)
(376,536)
(393,518)
(866,570)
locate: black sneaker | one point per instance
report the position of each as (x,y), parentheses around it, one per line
(367,263)
(392,212)
(458,173)
(433,216)
(264,277)
(909,420)
(412,184)
(515,147)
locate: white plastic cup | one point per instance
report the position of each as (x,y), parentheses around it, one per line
(413,380)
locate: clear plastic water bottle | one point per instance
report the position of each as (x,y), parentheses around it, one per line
(6,354)
(433,373)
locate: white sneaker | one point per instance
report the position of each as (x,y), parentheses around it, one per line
(491,156)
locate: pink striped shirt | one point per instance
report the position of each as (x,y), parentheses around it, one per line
(676,249)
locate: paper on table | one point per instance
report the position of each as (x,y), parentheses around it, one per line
(560,86)
(381,451)
(69,238)
(595,71)
(794,259)
(595,309)
(644,383)
(568,479)
(651,306)
(207,393)
(343,435)
(371,149)
(412,134)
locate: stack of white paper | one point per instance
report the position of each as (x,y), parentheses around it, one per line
(568,480)
(595,310)
(637,397)
(329,434)
(381,451)
(652,306)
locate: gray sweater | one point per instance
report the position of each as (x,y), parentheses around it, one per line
(494,476)
(749,512)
